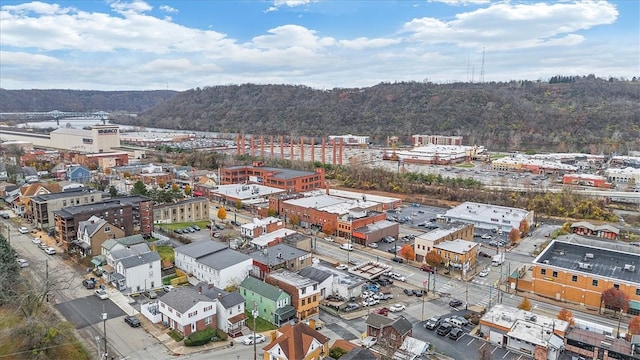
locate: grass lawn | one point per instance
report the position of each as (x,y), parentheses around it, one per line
(202,224)
(497,156)
(466,165)
(166,252)
(261,324)
(175,335)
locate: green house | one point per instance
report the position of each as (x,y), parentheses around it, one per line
(273,304)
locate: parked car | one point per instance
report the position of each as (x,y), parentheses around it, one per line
(484,254)
(23,230)
(444,328)
(189,229)
(195,227)
(251,339)
(36,241)
(388,239)
(370,302)
(398,277)
(381,311)
(132,321)
(151,294)
(418,293)
(329,239)
(369,341)
(219,227)
(408,292)
(102,294)
(178,231)
(455,303)
(89,283)
(342,267)
(373,245)
(427,268)
(5,216)
(455,333)
(461,320)
(167,288)
(393,250)
(348,247)
(432,323)
(397,307)
(486,236)
(351,307)
(22,262)
(50,251)
(399,260)
(235,223)
(484,272)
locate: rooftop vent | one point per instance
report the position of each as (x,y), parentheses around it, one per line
(629,267)
(589,256)
(585,266)
(545,261)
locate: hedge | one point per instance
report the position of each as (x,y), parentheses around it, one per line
(205,336)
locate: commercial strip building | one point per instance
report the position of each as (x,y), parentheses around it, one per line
(586,180)
(98,139)
(489,217)
(523,163)
(425,243)
(580,271)
(439,154)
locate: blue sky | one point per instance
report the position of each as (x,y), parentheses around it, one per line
(145,45)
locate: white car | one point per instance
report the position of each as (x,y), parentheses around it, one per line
(373,245)
(369,341)
(486,236)
(398,277)
(102,294)
(36,241)
(50,251)
(258,339)
(483,273)
(370,302)
(329,239)
(167,288)
(22,262)
(342,267)
(397,307)
(23,230)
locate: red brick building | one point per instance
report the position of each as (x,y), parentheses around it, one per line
(286,179)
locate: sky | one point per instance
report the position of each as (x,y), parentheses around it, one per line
(323,44)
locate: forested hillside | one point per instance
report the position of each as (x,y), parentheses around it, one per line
(588,114)
(80,101)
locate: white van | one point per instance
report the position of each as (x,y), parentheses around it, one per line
(347,247)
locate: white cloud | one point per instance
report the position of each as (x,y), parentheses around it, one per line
(507,26)
(461,2)
(28,59)
(288,36)
(128,7)
(366,43)
(168,9)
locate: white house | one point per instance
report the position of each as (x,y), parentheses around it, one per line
(324,278)
(213,263)
(134,269)
(259,227)
(187,311)
(230,308)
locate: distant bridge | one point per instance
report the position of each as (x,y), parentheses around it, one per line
(54,115)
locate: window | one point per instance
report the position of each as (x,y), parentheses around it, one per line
(594,283)
(314,298)
(637,291)
(207,320)
(617,286)
(543,271)
(554,274)
(574,278)
(303,300)
(107,228)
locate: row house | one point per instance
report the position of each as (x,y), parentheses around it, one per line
(187,311)
(280,256)
(93,233)
(133,269)
(305,293)
(271,303)
(230,313)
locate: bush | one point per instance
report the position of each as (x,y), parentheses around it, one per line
(200,337)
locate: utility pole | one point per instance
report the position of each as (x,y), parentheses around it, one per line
(424,285)
(104,329)
(254,312)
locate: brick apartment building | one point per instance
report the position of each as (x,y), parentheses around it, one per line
(131,214)
(286,179)
(43,206)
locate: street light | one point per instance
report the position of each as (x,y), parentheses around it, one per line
(254,312)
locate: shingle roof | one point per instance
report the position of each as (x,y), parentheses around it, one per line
(223,259)
(92,225)
(262,288)
(296,340)
(230,300)
(277,254)
(359,353)
(402,325)
(378,321)
(199,249)
(226,299)
(183,298)
(145,258)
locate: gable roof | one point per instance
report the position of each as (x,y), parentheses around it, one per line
(378,321)
(295,340)
(402,325)
(183,298)
(92,225)
(144,258)
(226,299)
(32,189)
(134,250)
(200,249)
(262,288)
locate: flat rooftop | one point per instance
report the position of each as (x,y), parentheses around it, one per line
(276,173)
(243,191)
(370,270)
(292,278)
(592,260)
(478,213)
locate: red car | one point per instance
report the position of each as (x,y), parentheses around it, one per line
(427,268)
(382,311)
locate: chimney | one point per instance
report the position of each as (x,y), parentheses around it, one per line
(219,295)
(200,290)
(210,286)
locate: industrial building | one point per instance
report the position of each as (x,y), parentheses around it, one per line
(489,217)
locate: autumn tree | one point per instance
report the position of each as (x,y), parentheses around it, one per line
(239,204)
(175,187)
(407,252)
(634,325)
(615,299)
(328,228)
(514,236)
(566,315)
(126,175)
(294,220)
(187,190)
(524,227)
(525,304)
(432,258)
(272,212)
(222,213)
(162,183)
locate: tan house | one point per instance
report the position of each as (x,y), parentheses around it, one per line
(21,205)
(426,242)
(93,233)
(189,210)
(458,254)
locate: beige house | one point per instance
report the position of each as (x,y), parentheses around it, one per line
(426,242)
(93,233)
(189,210)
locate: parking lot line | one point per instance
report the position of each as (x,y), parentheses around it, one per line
(472,340)
(483,344)
(494,349)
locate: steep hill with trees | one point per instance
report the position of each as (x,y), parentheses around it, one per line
(588,114)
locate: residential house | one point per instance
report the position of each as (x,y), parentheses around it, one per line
(359,353)
(93,232)
(115,244)
(389,331)
(273,304)
(43,206)
(134,269)
(3,172)
(325,279)
(280,256)
(21,205)
(188,210)
(79,174)
(230,308)
(30,174)
(458,254)
(259,227)
(186,311)
(297,342)
(305,293)
(213,263)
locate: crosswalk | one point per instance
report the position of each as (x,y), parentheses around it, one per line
(447,287)
(489,298)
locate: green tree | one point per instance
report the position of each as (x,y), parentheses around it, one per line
(9,272)
(337,352)
(239,204)
(187,190)
(113,191)
(139,188)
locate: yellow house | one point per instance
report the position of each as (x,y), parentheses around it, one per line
(458,254)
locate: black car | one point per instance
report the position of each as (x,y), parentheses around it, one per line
(484,254)
(455,333)
(455,303)
(409,292)
(399,260)
(235,223)
(418,293)
(132,321)
(220,227)
(195,227)
(89,283)
(178,231)
(444,329)
(393,250)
